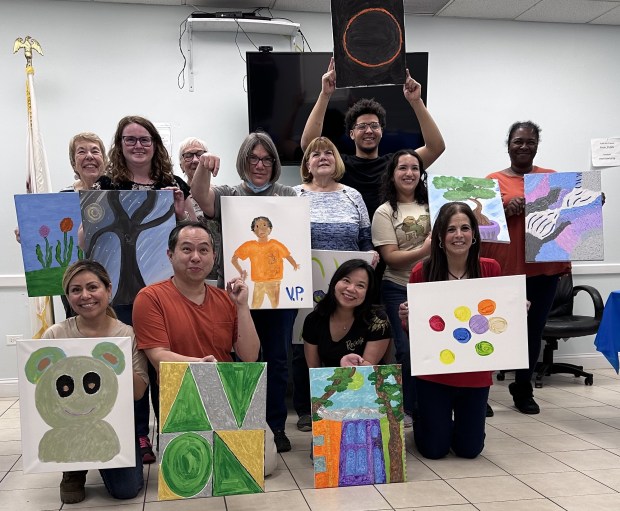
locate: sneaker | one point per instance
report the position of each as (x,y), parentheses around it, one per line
(490,412)
(72,487)
(304,423)
(146,450)
(283,444)
(408,421)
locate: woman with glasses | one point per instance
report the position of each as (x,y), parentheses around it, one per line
(140,161)
(258,166)
(338,221)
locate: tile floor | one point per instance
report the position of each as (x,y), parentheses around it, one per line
(566,458)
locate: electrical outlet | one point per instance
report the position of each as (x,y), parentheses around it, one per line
(11,340)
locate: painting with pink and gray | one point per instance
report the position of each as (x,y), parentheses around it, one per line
(563,217)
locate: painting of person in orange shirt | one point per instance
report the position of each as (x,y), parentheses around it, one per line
(266,262)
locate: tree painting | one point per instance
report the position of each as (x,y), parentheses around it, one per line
(127,232)
(48,224)
(389,397)
(482,195)
(357,425)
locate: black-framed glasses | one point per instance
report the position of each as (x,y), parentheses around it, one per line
(189,156)
(132,141)
(362,126)
(267,160)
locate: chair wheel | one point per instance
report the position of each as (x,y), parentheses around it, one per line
(538,385)
(589,380)
(500,377)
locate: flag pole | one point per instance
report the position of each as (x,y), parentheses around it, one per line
(37,177)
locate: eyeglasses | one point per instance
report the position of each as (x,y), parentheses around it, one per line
(144,141)
(266,160)
(362,126)
(189,156)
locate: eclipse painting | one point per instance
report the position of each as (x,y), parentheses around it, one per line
(369,42)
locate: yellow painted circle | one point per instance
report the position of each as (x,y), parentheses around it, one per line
(462,313)
(447,357)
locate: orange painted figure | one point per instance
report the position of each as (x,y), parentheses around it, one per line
(266,261)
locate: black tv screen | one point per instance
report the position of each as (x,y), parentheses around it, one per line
(283,87)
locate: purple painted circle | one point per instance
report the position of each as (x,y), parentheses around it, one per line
(462,335)
(478,324)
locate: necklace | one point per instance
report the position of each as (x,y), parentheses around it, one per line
(457,278)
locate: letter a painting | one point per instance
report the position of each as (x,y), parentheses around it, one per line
(357,425)
(127,232)
(563,217)
(461,326)
(48,225)
(212,429)
(369,42)
(76,401)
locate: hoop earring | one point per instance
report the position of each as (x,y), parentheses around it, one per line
(473,242)
(440,244)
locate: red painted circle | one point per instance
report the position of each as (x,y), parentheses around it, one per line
(361,13)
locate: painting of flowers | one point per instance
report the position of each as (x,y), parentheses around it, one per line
(48,225)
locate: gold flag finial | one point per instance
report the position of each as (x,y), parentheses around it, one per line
(28,44)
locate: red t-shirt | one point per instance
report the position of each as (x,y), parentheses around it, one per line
(488,268)
(164,318)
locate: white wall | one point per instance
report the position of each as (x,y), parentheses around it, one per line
(104,61)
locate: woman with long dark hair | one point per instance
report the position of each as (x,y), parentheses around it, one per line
(400,231)
(345,329)
(88,289)
(452,407)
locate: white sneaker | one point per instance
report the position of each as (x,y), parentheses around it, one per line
(408,421)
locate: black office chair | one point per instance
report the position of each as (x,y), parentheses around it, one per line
(563,324)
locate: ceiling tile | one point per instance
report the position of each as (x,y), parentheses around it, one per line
(424,6)
(485,9)
(567,11)
(609,18)
(303,5)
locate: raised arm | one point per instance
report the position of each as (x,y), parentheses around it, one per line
(247,343)
(314,124)
(209,165)
(434,144)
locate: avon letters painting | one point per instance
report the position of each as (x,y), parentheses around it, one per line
(212,429)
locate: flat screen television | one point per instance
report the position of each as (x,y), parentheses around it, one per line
(283,87)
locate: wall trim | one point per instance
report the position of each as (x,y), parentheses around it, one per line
(587,360)
(596,269)
(8,387)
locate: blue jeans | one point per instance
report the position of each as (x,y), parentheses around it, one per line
(435,431)
(392,295)
(126,482)
(275,331)
(540,292)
